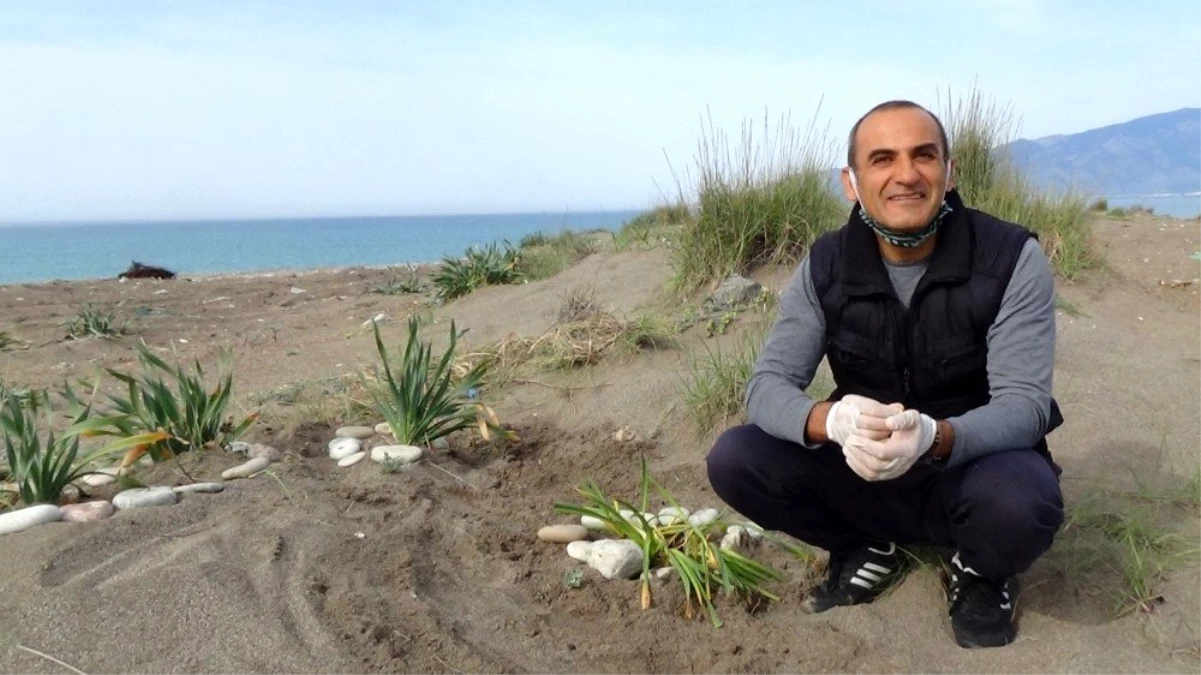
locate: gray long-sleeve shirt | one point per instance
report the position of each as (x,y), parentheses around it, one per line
(1021,353)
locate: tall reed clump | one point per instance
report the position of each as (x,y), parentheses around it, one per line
(764,201)
(987,179)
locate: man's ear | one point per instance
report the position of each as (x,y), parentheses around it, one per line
(950,175)
(848,189)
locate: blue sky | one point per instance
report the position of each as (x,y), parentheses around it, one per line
(126,110)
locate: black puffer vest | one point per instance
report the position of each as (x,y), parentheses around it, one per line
(932,357)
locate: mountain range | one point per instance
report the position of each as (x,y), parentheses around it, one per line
(1156,154)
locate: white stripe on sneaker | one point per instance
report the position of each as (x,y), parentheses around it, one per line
(875,578)
(876,568)
(860,582)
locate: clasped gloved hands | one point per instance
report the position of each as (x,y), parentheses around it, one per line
(874,458)
(880,442)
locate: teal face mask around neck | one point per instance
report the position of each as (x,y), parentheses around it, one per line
(903,239)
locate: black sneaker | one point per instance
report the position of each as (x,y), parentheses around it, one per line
(855,577)
(981,609)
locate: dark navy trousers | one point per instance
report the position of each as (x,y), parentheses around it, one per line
(999,512)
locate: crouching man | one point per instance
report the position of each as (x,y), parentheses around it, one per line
(938,324)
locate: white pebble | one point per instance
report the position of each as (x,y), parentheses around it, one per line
(30,516)
(405,454)
(563,534)
(734,537)
(98,479)
(579,550)
(670,515)
(240,447)
(142,497)
(351,460)
(199,487)
(593,523)
(246,470)
(344,447)
(355,432)
(753,530)
(615,558)
(383,429)
(703,517)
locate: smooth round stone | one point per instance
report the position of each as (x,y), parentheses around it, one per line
(753,531)
(98,479)
(87,512)
(579,550)
(735,537)
(30,516)
(563,534)
(615,558)
(671,515)
(355,432)
(246,470)
(240,447)
(593,523)
(703,517)
(198,487)
(440,444)
(405,454)
(383,429)
(137,498)
(351,460)
(344,447)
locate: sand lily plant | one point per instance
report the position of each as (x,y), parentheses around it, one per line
(423,400)
(478,267)
(702,565)
(43,463)
(178,404)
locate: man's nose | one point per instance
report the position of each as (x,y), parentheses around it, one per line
(907,173)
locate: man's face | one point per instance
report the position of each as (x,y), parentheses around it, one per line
(900,167)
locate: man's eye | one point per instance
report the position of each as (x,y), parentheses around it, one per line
(880,160)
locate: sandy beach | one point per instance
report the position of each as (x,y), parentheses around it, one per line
(436,568)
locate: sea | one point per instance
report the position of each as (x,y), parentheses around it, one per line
(39,252)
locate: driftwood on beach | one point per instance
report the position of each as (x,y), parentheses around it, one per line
(139,271)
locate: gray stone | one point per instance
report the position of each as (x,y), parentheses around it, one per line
(734,291)
(351,460)
(30,516)
(355,432)
(579,550)
(703,517)
(240,447)
(670,515)
(87,512)
(615,558)
(563,534)
(405,454)
(199,487)
(734,538)
(344,447)
(142,497)
(383,429)
(247,469)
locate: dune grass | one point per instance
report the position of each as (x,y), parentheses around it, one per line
(765,201)
(544,255)
(988,180)
(93,321)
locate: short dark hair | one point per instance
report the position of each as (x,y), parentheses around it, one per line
(896,105)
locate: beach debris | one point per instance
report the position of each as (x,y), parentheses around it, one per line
(240,447)
(703,517)
(736,290)
(562,534)
(340,448)
(192,488)
(86,512)
(670,515)
(351,460)
(615,558)
(355,432)
(30,516)
(624,435)
(578,550)
(247,469)
(296,291)
(1178,283)
(403,454)
(139,271)
(136,498)
(378,318)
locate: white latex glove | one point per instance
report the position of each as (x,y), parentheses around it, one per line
(875,460)
(859,416)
